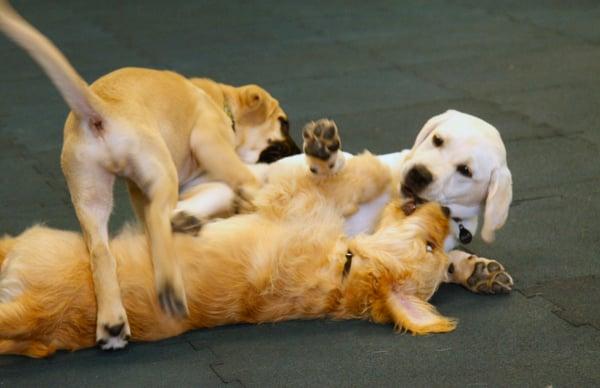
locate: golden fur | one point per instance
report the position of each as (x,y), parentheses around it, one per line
(158,130)
(287,260)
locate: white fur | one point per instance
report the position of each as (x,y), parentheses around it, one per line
(216,198)
(10,280)
(114,343)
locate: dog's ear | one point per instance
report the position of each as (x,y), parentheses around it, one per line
(430,125)
(497,202)
(416,315)
(252,97)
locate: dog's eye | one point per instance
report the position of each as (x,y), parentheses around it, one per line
(464,170)
(437,141)
(430,246)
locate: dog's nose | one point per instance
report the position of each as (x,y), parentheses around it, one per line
(418,177)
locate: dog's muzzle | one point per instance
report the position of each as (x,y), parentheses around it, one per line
(278,150)
(417,179)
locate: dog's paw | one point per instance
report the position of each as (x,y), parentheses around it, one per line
(323,147)
(243,202)
(171,297)
(113,334)
(184,222)
(486,276)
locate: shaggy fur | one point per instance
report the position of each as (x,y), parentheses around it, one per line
(288,260)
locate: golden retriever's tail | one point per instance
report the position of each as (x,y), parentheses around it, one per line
(76,92)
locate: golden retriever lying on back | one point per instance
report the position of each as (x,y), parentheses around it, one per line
(288,260)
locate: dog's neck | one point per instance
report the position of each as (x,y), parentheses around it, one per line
(223,96)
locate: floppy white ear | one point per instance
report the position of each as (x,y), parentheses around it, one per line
(430,125)
(497,203)
(417,316)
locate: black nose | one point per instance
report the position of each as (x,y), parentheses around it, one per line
(418,178)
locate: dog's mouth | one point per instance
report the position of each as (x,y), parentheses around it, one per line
(278,150)
(409,193)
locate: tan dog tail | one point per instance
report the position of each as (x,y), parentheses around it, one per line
(6,244)
(76,92)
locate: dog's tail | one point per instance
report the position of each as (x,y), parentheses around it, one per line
(6,244)
(76,92)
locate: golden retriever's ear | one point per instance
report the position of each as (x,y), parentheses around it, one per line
(252,97)
(430,125)
(417,316)
(497,203)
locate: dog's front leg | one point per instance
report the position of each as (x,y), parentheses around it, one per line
(478,274)
(91,189)
(217,156)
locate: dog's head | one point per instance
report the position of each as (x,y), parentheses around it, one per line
(262,127)
(459,160)
(389,276)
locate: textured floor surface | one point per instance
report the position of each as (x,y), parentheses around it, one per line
(380,69)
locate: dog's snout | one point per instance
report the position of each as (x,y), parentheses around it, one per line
(278,150)
(418,177)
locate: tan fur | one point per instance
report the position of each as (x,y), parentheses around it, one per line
(6,244)
(282,262)
(159,130)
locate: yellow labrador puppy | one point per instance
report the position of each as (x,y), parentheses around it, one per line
(290,259)
(158,130)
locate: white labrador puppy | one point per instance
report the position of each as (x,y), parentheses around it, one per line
(457,159)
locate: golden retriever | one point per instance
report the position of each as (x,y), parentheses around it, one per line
(289,259)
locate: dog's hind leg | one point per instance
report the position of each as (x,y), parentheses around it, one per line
(33,349)
(155,176)
(91,188)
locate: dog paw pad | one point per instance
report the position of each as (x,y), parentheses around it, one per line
(322,147)
(321,139)
(489,277)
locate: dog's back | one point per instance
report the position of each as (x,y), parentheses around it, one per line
(6,244)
